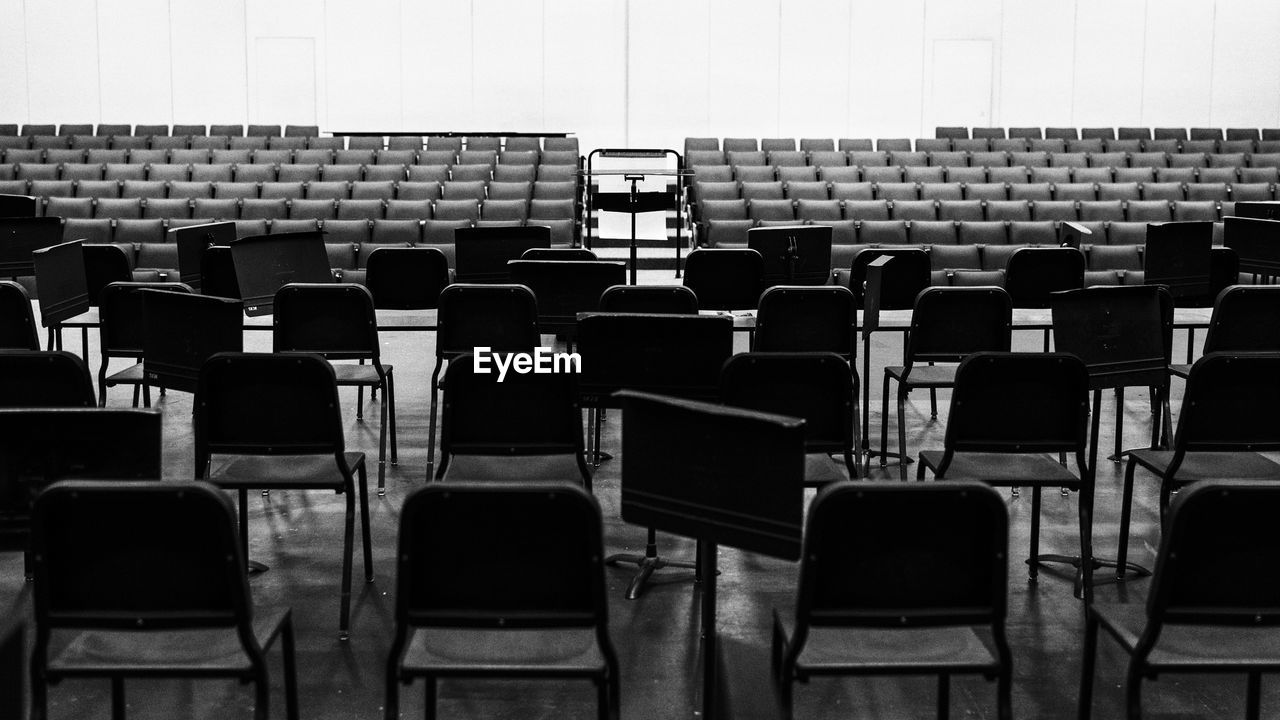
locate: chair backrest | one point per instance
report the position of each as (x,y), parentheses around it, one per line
(406,278)
(137,556)
(335,320)
(670,354)
(558,254)
(565,288)
(503,318)
(17,321)
(816,386)
(1019,403)
(806,319)
(725,279)
(1031,274)
(1123,334)
(487,412)
(1246,318)
(1220,408)
(904,278)
(456,545)
(482,253)
(1176,255)
(880,554)
(38,378)
(1217,532)
(949,323)
(651,299)
(300,415)
(122,323)
(183,331)
(103,265)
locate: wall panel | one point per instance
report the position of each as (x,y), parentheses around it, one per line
(13,63)
(1108,62)
(1178,64)
(62,62)
(1037,69)
(1246,64)
(742,62)
(813,69)
(886,68)
(667,72)
(436,65)
(585,70)
(208,62)
(507,64)
(134,75)
(363,83)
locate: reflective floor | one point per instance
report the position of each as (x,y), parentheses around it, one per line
(298,534)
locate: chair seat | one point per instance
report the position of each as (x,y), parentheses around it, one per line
(283,471)
(158,652)
(1192,646)
(841,650)
(1209,465)
(925,375)
(1003,468)
(561,468)
(821,468)
(352,374)
(131,375)
(472,651)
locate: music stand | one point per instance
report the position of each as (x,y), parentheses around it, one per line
(19,206)
(192,241)
(482,253)
(1177,256)
(266,263)
(1256,242)
(564,288)
(183,330)
(1073,235)
(793,254)
(218,272)
(635,202)
(21,236)
(1258,209)
(721,475)
(62,283)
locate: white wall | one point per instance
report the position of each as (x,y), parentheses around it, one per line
(644,73)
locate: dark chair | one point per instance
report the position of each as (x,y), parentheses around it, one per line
(338,322)
(103,265)
(650,299)
(147,581)
(406,278)
(1212,606)
(40,378)
(482,253)
(185,330)
(900,579)
(17,321)
(564,288)
(558,254)
(725,279)
(903,280)
(494,413)
(807,319)
(1008,412)
(122,325)
(1032,274)
(465,607)
(1221,432)
(947,324)
(816,386)
(292,442)
(502,318)
(1246,318)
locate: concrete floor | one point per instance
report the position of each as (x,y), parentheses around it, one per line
(299,535)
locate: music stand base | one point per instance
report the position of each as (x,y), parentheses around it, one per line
(647,564)
(1131,569)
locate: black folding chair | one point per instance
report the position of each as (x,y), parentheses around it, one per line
(947,324)
(406,278)
(565,288)
(565,254)
(816,386)
(502,318)
(338,322)
(900,579)
(122,330)
(465,609)
(725,279)
(104,264)
(146,580)
(807,319)
(490,417)
(291,442)
(1246,318)
(1213,605)
(650,299)
(1220,431)
(17,321)
(1008,412)
(44,378)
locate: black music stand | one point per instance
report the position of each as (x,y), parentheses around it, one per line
(481,254)
(721,475)
(19,206)
(1256,242)
(192,241)
(564,288)
(1177,256)
(793,254)
(63,286)
(1258,209)
(266,263)
(183,331)
(1073,235)
(21,236)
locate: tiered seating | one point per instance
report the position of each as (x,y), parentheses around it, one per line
(129,189)
(959,197)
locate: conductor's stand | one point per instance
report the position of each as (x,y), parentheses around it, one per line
(634,203)
(793,254)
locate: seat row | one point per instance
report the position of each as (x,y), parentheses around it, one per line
(865,233)
(1017,144)
(236,140)
(1019,174)
(109,129)
(959,159)
(245,156)
(288,173)
(363,190)
(1106,133)
(818,190)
